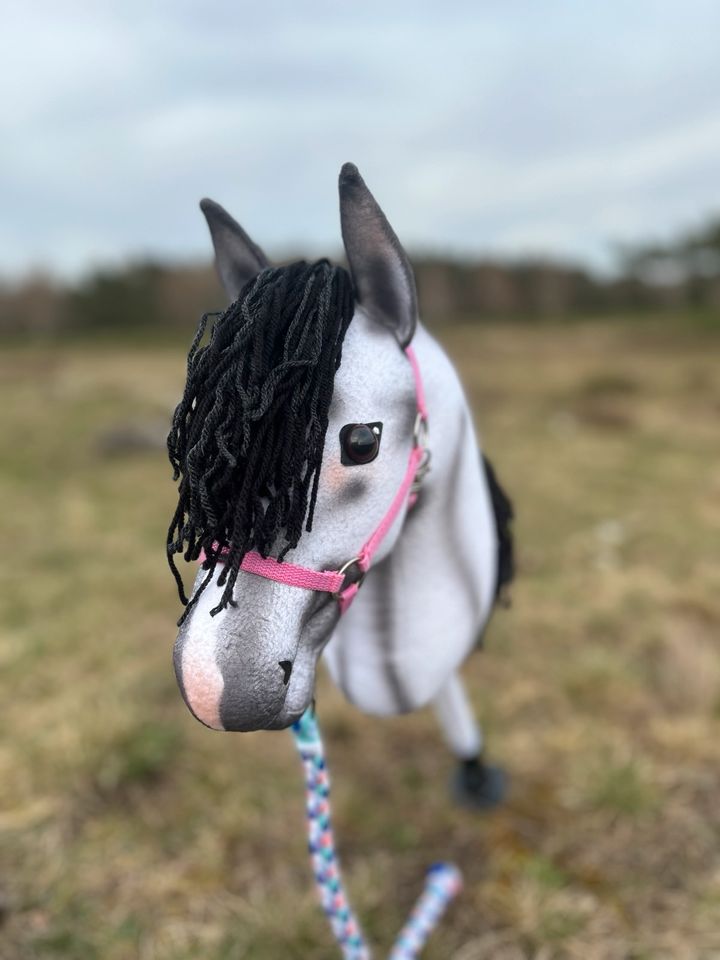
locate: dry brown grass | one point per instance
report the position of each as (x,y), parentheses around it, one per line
(129,831)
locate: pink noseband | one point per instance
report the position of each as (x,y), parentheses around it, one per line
(332,581)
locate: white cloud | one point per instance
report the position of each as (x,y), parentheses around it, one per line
(481,127)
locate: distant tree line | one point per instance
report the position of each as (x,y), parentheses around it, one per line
(149,296)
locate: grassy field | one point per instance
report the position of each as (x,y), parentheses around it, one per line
(127,830)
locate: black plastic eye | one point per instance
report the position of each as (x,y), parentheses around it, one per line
(359,443)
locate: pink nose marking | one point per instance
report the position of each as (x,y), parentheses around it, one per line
(202,681)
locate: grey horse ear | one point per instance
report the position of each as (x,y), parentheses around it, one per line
(381,271)
(237,258)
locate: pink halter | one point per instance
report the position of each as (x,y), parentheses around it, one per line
(333,581)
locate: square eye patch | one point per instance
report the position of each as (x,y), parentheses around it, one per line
(360,443)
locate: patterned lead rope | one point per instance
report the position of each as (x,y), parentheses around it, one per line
(443,881)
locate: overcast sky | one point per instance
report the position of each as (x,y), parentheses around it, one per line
(482,127)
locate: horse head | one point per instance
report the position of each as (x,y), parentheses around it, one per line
(248,647)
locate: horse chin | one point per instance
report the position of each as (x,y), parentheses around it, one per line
(296,703)
(286,718)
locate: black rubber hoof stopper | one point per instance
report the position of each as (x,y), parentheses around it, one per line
(478,785)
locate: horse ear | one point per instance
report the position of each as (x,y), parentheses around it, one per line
(381,271)
(237,258)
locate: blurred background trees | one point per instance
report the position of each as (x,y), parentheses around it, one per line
(682,275)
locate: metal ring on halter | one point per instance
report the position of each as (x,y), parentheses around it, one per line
(344,568)
(421,432)
(422,471)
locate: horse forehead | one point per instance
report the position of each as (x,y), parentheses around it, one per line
(373,367)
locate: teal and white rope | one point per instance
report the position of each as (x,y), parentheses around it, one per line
(443,881)
(321,843)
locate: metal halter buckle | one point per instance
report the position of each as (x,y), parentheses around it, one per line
(343,569)
(421,433)
(421,472)
(421,438)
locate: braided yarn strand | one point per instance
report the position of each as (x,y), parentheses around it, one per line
(321,842)
(442,883)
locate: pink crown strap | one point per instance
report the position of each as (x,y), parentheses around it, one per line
(419,388)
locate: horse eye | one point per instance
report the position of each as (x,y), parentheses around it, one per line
(359,443)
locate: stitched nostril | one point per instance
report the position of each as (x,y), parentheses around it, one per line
(286,669)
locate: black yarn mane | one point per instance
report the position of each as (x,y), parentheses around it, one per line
(247,438)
